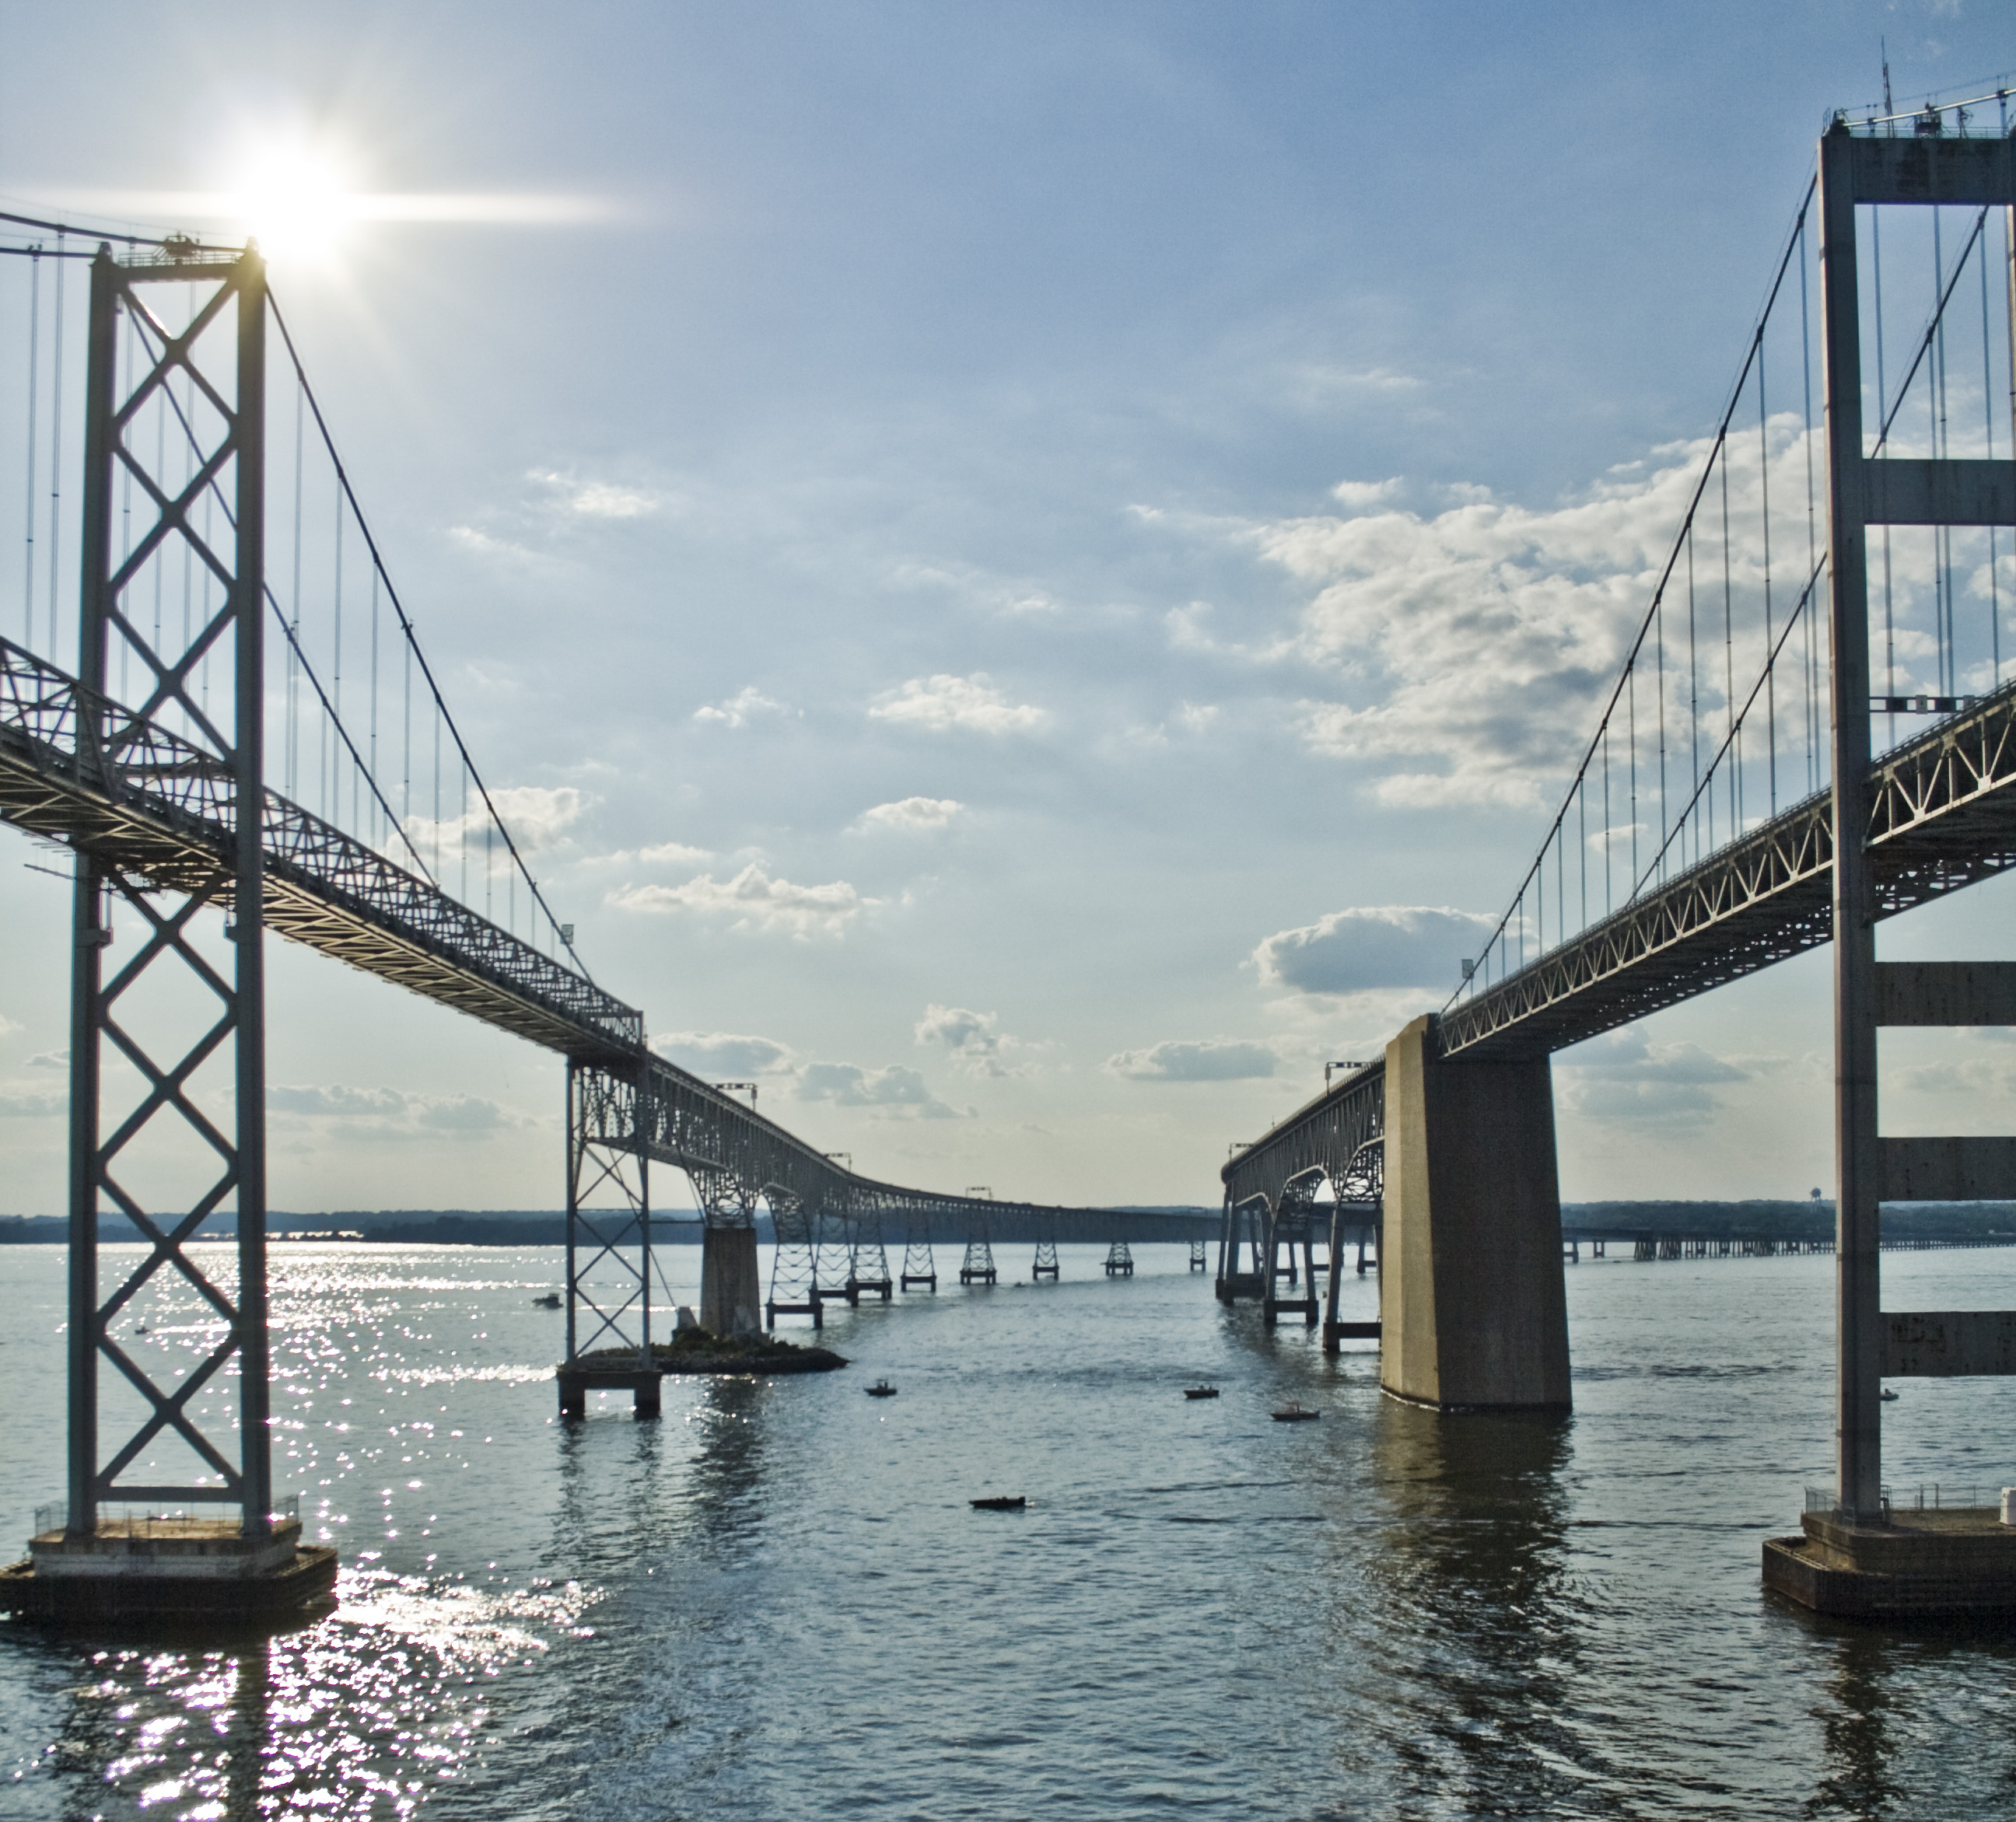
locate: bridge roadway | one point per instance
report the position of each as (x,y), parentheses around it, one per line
(158,806)
(1943,816)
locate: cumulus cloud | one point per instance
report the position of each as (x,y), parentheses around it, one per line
(896,1092)
(1369,947)
(1358,496)
(737,711)
(1624,1075)
(31,1104)
(1210,1059)
(755,898)
(665,854)
(975,1040)
(387,1114)
(1476,641)
(723,1053)
(942,703)
(596,499)
(539,816)
(49,1059)
(333,1100)
(912,815)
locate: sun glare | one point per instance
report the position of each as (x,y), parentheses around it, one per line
(296,203)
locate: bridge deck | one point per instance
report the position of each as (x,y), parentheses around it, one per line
(1944,817)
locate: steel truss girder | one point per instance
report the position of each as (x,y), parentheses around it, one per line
(1942,816)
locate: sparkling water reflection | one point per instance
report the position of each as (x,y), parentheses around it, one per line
(776,1599)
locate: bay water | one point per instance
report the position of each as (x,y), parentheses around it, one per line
(775,1600)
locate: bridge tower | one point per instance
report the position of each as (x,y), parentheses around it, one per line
(1919,171)
(181,1020)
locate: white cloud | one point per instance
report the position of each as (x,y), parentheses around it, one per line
(1195,717)
(721,1053)
(1211,1059)
(539,816)
(49,1059)
(1371,946)
(1360,495)
(1477,641)
(672,854)
(1623,1075)
(943,702)
(481,543)
(387,1114)
(31,1104)
(334,1100)
(734,712)
(975,1040)
(597,499)
(755,898)
(665,854)
(912,815)
(899,1093)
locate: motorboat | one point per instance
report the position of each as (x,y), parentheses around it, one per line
(1296,1412)
(550,1301)
(1000,1502)
(1200,1392)
(881,1388)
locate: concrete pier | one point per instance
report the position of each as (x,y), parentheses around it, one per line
(1472,1305)
(731,1286)
(178,1571)
(1900,1565)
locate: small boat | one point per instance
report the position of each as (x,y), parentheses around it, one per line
(881,1388)
(550,1301)
(1200,1392)
(1887,1395)
(1295,1412)
(1000,1502)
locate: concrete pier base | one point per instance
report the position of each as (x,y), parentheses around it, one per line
(1916,1565)
(179,1571)
(583,1376)
(731,1286)
(1473,1308)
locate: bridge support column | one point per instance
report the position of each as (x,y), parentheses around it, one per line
(1472,1304)
(731,1285)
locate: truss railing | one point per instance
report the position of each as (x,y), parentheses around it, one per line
(89,773)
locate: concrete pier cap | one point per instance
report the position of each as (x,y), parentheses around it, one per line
(1472,1303)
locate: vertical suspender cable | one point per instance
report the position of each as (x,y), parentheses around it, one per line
(1988,412)
(1770,669)
(1812,533)
(55,446)
(1693,704)
(294,644)
(34,389)
(1729,656)
(374,675)
(1935,405)
(1882,399)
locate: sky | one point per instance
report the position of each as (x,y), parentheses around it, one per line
(967,537)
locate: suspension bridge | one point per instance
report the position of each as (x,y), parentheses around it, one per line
(1732,809)
(364,831)
(1836,576)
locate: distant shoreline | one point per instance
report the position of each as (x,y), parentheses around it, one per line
(1759,1218)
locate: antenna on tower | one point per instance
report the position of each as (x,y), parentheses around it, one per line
(1888,107)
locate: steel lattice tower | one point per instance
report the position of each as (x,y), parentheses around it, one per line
(211,1007)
